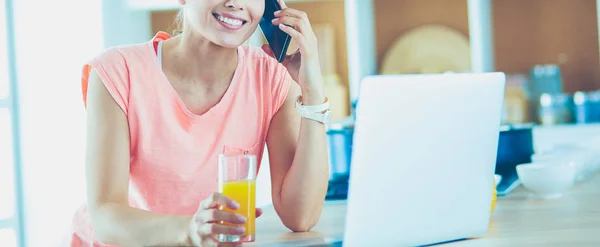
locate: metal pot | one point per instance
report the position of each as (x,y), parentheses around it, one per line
(515,146)
(339,139)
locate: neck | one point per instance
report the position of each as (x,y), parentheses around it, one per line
(199,58)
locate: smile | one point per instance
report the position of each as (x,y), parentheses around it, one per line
(229,22)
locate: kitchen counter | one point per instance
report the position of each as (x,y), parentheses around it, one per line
(519,220)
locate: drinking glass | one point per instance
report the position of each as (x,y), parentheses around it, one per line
(237,180)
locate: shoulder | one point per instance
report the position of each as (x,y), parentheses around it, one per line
(268,70)
(121,55)
(112,67)
(263,64)
(130,52)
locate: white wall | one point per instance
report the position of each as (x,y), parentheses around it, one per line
(53,40)
(123,25)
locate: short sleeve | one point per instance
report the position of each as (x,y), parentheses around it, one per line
(281,85)
(113,71)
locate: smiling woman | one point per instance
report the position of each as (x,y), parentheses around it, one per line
(160,112)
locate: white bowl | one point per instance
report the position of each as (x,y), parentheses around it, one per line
(578,159)
(588,157)
(547,179)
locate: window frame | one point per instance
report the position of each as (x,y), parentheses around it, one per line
(11,102)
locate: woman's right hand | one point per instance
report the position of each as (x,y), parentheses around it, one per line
(206,224)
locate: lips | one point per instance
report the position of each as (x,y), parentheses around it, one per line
(229,21)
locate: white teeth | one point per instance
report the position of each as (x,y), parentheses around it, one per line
(229,21)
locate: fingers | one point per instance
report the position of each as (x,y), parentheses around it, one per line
(216,215)
(216,199)
(297,36)
(210,220)
(282,4)
(296,24)
(292,13)
(293,22)
(292,17)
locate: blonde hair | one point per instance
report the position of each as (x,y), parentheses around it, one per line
(178,23)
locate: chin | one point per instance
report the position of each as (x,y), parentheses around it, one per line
(229,42)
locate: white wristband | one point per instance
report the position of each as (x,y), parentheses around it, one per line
(312,108)
(319,113)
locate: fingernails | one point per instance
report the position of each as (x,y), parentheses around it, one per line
(275,20)
(282,26)
(277,12)
(240,229)
(241,219)
(235,205)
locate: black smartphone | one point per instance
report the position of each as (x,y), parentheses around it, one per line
(278,40)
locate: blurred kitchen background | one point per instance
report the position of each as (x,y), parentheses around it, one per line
(548,48)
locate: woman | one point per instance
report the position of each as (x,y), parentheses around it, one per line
(160,112)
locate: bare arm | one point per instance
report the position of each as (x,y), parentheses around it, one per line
(299,162)
(107,171)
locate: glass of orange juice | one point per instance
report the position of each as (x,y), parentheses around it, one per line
(237,180)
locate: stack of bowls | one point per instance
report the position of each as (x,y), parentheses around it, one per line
(553,172)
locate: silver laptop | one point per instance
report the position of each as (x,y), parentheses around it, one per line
(423,159)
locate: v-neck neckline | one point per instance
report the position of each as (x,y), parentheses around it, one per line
(164,80)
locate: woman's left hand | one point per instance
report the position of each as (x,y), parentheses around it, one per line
(303,65)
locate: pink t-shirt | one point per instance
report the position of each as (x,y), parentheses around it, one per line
(173,151)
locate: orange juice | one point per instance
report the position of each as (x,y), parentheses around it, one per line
(244,193)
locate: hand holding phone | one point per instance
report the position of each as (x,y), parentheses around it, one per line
(278,40)
(303,66)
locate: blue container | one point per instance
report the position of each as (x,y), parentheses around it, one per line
(339,139)
(587,107)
